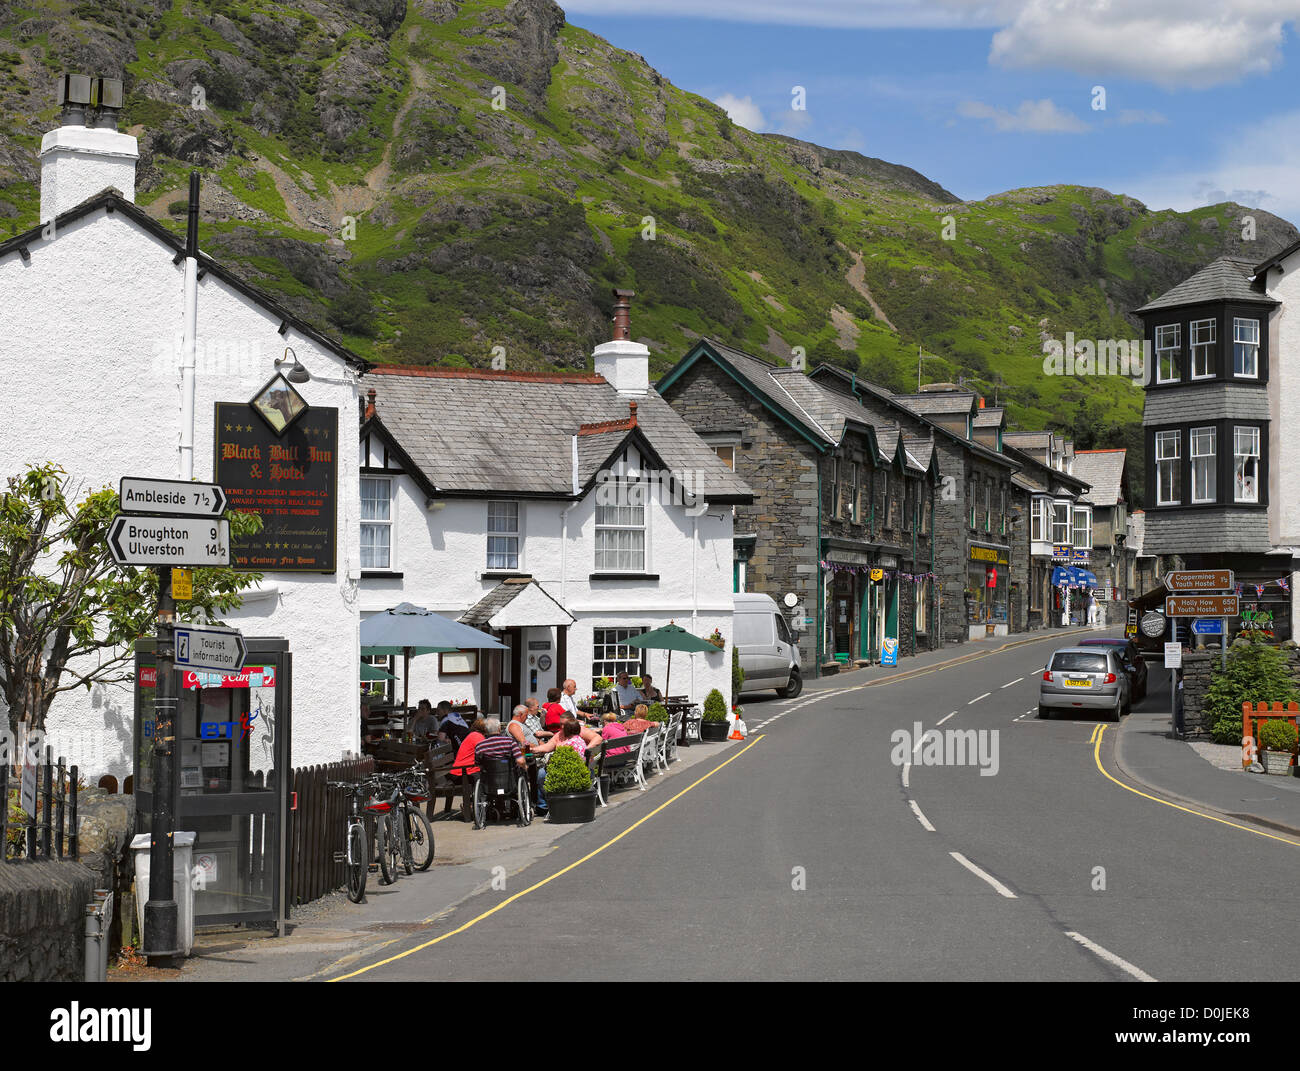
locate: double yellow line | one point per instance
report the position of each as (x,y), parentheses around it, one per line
(545,881)
(1097,734)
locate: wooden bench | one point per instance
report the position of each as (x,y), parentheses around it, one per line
(394,754)
(629,762)
(438,763)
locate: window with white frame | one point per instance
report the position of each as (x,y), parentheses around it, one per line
(376,522)
(1082,527)
(1245,348)
(1204,364)
(988,506)
(620,530)
(1038,520)
(611,655)
(503,535)
(1204,453)
(1245,464)
(1060,522)
(922,605)
(1168,346)
(1169,471)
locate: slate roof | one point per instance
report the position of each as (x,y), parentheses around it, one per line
(1103,471)
(1021,480)
(1045,480)
(990,417)
(1224,279)
(476,432)
(922,450)
(938,402)
(1028,440)
(501,596)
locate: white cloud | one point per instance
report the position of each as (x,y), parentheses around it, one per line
(1032,117)
(1129,116)
(1254,165)
(1173,43)
(792,123)
(742,111)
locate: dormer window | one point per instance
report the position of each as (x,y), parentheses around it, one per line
(1168,347)
(1245,348)
(1204,350)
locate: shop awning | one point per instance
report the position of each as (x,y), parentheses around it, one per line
(1062,575)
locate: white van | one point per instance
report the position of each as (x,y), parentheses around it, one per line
(768,652)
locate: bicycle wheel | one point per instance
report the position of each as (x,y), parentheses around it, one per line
(402,831)
(358,862)
(387,868)
(480,805)
(419,838)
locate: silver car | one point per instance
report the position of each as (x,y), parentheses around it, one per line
(1084,678)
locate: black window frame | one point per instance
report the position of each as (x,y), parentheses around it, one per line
(1223,463)
(1223,313)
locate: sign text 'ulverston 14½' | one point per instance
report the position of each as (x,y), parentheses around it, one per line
(169,541)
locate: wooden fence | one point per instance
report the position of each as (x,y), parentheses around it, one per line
(318,829)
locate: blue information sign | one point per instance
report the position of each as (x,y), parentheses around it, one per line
(1208,626)
(889,653)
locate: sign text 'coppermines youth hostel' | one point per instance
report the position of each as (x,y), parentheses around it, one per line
(290,478)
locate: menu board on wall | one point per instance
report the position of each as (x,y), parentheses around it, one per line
(290,479)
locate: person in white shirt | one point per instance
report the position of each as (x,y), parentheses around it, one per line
(628,696)
(567,700)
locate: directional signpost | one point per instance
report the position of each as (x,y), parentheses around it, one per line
(1201,606)
(171,524)
(169,541)
(220,650)
(172,498)
(1198,593)
(1207,580)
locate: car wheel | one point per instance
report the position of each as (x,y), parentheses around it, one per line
(793,688)
(1114,714)
(1044,712)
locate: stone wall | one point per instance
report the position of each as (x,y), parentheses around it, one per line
(1198,670)
(42,920)
(1021,571)
(781,468)
(106,824)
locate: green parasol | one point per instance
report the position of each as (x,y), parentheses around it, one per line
(670,638)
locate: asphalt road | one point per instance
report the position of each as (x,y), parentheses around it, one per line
(808,853)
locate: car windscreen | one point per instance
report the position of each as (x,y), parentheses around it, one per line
(1079,662)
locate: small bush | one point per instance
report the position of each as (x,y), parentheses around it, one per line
(715,707)
(178,208)
(737,675)
(566,772)
(1256,673)
(657,712)
(1277,735)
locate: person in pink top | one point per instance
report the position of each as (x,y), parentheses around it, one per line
(571,734)
(612,730)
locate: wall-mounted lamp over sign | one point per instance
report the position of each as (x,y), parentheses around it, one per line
(298,373)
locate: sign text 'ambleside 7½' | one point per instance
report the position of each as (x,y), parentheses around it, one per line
(169,541)
(175,498)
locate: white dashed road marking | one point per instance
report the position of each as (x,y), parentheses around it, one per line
(1010,683)
(1002,889)
(945,718)
(919,816)
(979,697)
(907,767)
(1110,957)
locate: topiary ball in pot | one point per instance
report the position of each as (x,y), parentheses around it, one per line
(569,794)
(657,712)
(714,725)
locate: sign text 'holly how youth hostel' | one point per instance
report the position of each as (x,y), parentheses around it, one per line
(291,479)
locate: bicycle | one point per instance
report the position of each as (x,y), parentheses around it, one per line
(389,834)
(357,851)
(417,842)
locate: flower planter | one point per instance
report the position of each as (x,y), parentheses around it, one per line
(1277,762)
(714,732)
(570,807)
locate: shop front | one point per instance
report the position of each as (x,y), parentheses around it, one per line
(986,590)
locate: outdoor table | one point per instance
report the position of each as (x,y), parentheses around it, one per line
(690,729)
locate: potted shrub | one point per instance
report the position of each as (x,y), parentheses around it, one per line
(657,712)
(569,793)
(714,726)
(1277,739)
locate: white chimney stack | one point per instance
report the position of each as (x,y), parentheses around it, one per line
(87,152)
(624,363)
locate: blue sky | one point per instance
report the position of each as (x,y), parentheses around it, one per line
(1202,104)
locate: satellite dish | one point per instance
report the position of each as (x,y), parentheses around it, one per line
(790,598)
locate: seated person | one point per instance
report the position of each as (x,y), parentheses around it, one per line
(612,730)
(425,723)
(519,728)
(628,697)
(571,734)
(498,745)
(639,723)
(555,714)
(451,724)
(463,766)
(649,693)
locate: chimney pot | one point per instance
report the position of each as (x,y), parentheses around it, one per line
(631,408)
(623,314)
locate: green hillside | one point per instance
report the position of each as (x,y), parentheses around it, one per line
(355,164)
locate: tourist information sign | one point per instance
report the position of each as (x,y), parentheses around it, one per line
(220,650)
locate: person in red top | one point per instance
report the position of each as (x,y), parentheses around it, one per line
(555,713)
(464,761)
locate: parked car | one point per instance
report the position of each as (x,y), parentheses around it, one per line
(769,654)
(1084,678)
(1134,664)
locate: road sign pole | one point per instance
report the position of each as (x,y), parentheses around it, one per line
(1223,645)
(161,939)
(1173,683)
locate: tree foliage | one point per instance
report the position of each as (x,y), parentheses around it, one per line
(68,613)
(1255,673)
